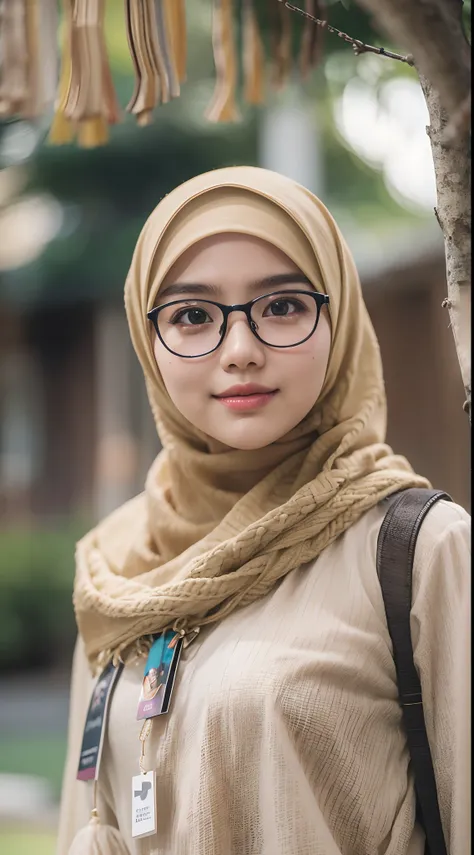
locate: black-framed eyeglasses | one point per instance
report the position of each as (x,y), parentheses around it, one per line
(192,328)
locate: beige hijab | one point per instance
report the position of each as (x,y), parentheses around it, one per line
(216,527)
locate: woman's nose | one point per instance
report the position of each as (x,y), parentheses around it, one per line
(240,347)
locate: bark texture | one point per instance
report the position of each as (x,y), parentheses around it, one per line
(452,163)
(432,31)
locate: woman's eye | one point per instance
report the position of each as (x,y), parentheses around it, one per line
(191,317)
(281,308)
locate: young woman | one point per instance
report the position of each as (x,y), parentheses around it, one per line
(255,541)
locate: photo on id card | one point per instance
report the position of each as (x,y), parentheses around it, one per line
(159,675)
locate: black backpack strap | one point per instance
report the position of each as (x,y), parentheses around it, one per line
(395,553)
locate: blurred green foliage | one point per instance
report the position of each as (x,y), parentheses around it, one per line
(106,195)
(41,755)
(37,627)
(27,842)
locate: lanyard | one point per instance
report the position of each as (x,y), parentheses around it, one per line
(155,697)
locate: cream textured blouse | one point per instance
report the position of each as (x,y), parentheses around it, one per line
(284,735)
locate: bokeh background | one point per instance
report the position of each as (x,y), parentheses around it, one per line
(76,435)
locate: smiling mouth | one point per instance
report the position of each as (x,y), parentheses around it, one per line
(246,402)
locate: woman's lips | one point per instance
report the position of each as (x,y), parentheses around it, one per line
(243,403)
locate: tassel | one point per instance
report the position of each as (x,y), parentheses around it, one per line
(283,49)
(176,13)
(62,129)
(111,108)
(253,55)
(29,108)
(161,44)
(130,31)
(92,132)
(90,100)
(223,107)
(13,58)
(164,21)
(49,53)
(97,839)
(26,80)
(141,36)
(312,38)
(111,105)
(154,51)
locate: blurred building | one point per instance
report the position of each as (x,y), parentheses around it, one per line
(426,421)
(76,433)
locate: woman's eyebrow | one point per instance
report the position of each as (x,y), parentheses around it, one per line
(284,279)
(189,288)
(273,281)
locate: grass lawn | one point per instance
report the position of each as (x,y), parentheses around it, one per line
(31,755)
(34,755)
(26,843)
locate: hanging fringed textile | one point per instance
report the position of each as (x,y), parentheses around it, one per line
(280,38)
(28,57)
(13,58)
(62,129)
(312,38)
(147,92)
(164,33)
(223,106)
(253,56)
(86,102)
(84,97)
(153,32)
(90,101)
(176,11)
(42,35)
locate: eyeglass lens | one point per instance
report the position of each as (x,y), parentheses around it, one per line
(194,327)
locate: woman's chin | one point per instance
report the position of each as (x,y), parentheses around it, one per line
(249,439)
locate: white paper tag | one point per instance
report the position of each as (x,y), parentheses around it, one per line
(143,805)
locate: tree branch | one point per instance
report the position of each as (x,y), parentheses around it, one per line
(432,31)
(357,45)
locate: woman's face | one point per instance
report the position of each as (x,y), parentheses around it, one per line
(233,269)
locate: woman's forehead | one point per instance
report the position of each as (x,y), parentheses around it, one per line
(229,253)
(238,236)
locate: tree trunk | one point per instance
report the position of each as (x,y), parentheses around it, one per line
(432,31)
(452,163)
